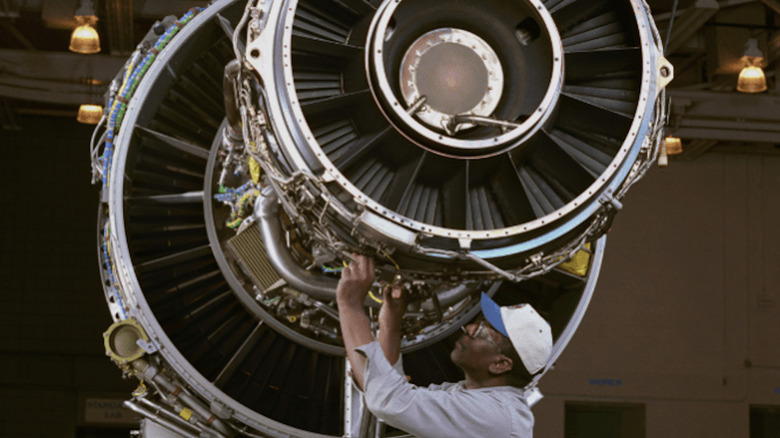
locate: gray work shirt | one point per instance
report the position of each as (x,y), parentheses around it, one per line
(446,410)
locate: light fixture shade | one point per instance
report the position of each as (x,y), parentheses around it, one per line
(751,80)
(85,39)
(90,114)
(673,145)
(752,52)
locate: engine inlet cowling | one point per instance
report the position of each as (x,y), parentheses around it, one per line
(251,147)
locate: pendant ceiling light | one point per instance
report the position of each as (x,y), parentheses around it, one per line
(752,78)
(89,114)
(673,145)
(85,38)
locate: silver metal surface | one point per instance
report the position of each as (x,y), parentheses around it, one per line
(456,71)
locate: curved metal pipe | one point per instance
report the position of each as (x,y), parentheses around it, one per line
(313,284)
(267,213)
(452,296)
(210,421)
(165,413)
(159,420)
(232,69)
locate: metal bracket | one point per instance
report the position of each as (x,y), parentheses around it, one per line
(665,73)
(220,410)
(608,199)
(148,347)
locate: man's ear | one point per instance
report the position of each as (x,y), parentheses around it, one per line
(500,366)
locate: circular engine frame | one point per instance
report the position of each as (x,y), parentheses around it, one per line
(302,162)
(556,220)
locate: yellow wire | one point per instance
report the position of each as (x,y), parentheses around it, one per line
(141,390)
(395,278)
(391,260)
(124,82)
(373,297)
(397,268)
(370,293)
(129,70)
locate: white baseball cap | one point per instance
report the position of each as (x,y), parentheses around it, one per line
(529,332)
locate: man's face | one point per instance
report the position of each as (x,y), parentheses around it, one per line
(477,347)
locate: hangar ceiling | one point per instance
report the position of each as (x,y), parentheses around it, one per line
(38,75)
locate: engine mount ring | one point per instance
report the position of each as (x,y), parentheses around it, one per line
(435,140)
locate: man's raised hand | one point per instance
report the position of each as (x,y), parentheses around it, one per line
(356,280)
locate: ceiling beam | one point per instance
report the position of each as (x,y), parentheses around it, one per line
(729,117)
(723,4)
(160,9)
(689,22)
(11,29)
(693,149)
(729,135)
(9,9)
(57,77)
(773,4)
(147,9)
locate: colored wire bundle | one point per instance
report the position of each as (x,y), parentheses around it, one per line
(133,75)
(136,69)
(110,268)
(241,201)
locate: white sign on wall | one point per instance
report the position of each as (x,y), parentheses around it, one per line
(108,411)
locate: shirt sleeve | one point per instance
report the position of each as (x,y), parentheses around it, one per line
(373,348)
(432,412)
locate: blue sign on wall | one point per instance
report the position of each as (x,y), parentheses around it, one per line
(606,382)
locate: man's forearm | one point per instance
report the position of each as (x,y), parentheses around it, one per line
(356,331)
(389,338)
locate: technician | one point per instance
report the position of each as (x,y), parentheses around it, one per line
(498,355)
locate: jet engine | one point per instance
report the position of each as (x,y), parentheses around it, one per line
(249,149)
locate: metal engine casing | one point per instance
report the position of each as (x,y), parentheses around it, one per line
(233,192)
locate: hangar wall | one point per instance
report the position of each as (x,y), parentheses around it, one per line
(52,311)
(685,316)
